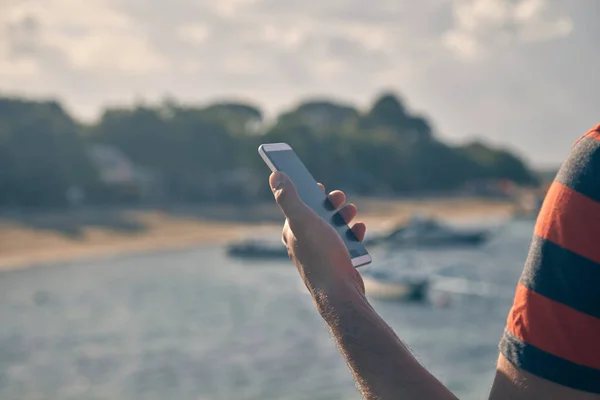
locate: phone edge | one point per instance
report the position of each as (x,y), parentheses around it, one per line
(280,146)
(263,155)
(362,260)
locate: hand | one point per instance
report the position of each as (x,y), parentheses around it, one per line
(313,244)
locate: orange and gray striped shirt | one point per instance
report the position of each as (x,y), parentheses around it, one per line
(553,328)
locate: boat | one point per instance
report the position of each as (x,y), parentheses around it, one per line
(383,286)
(257,249)
(427,232)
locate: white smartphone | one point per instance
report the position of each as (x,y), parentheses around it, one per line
(281,157)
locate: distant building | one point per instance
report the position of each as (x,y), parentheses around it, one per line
(114,166)
(125,180)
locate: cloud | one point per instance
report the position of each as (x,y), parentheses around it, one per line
(88,36)
(482,25)
(194,33)
(468,63)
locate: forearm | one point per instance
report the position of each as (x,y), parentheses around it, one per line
(382,365)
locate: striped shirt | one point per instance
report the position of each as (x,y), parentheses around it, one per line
(553,329)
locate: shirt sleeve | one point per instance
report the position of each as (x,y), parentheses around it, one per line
(553,328)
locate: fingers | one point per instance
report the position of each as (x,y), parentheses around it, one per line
(295,210)
(348,212)
(337,198)
(359,229)
(287,197)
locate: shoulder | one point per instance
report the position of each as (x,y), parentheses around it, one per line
(553,328)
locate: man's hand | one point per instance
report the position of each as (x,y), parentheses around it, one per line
(381,364)
(313,244)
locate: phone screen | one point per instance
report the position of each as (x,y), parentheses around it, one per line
(288,162)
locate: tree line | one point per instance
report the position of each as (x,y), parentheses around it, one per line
(209,153)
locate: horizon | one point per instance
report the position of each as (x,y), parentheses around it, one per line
(437,55)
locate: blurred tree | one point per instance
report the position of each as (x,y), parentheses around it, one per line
(388,112)
(322,116)
(200,153)
(490,163)
(238,118)
(41,154)
(185,146)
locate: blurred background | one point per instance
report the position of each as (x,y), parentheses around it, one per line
(138,236)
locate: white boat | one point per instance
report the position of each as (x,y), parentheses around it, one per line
(426,232)
(384,286)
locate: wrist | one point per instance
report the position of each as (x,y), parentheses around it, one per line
(332,277)
(337,295)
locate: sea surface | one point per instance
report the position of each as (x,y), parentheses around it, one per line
(196,325)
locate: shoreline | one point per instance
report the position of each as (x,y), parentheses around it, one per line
(49,238)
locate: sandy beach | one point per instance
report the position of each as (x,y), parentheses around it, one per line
(53,237)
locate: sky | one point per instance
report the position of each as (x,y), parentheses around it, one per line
(520,74)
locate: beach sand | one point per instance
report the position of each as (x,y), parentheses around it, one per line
(48,238)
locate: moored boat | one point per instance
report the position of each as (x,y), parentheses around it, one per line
(257,249)
(383,286)
(426,232)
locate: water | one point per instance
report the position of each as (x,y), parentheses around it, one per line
(196,325)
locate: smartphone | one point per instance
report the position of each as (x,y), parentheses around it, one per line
(281,157)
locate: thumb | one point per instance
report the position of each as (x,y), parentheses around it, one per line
(287,197)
